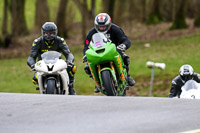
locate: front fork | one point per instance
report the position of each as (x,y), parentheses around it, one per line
(119,83)
(112,70)
(96,74)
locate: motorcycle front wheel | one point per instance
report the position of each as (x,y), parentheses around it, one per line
(108,83)
(51,87)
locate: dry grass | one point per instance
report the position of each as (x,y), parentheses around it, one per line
(138,31)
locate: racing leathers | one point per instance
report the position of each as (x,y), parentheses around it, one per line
(117,36)
(40,46)
(178,82)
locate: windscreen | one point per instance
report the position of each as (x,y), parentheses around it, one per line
(98,40)
(191,84)
(50,56)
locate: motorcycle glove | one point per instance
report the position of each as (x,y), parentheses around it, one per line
(71,68)
(84,59)
(87,69)
(69,63)
(33,67)
(121,47)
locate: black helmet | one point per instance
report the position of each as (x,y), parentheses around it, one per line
(186,72)
(49,31)
(102,22)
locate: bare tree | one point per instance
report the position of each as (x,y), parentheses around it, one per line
(118,14)
(105,4)
(190,8)
(84,20)
(18,18)
(154,16)
(5,37)
(83,8)
(132,14)
(5,18)
(109,7)
(70,17)
(179,7)
(197,12)
(42,13)
(137,10)
(93,9)
(143,5)
(61,19)
(167,10)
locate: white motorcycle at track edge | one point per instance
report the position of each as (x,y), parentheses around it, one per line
(191,90)
(52,74)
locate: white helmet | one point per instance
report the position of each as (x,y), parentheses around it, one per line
(102,22)
(186,72)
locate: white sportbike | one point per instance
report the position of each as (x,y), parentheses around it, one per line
(52,74)
(191,90)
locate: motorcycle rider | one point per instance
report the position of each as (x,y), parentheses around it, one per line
(186,73)
(49,41)
(102,24)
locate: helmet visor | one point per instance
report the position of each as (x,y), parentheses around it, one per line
(187,77)
(102,28)
(49,33)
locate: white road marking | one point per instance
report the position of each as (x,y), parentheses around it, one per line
(192,131)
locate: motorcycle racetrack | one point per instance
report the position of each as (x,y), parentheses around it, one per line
(35,113)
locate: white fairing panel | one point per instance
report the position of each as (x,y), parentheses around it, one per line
(52,66)
(59,65)
(41,66)
(191,90)
(40,82)
(65,79)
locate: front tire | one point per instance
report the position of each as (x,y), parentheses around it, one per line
(51,87)
(108,83)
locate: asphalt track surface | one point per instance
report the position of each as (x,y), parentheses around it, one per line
(35,113)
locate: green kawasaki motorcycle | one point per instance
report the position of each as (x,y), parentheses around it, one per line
(106,66)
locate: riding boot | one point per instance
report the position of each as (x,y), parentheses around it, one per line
(126,60)
(131,82)
(71,90)
(87,71)
(71,86)
(96,90)
(35,80)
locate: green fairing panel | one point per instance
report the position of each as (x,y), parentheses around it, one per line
(100,58)
(109,54)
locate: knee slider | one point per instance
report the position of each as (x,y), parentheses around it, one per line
(71,70)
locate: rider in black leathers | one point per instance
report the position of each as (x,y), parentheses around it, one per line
(114,33)
(49,41)
(186,73)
